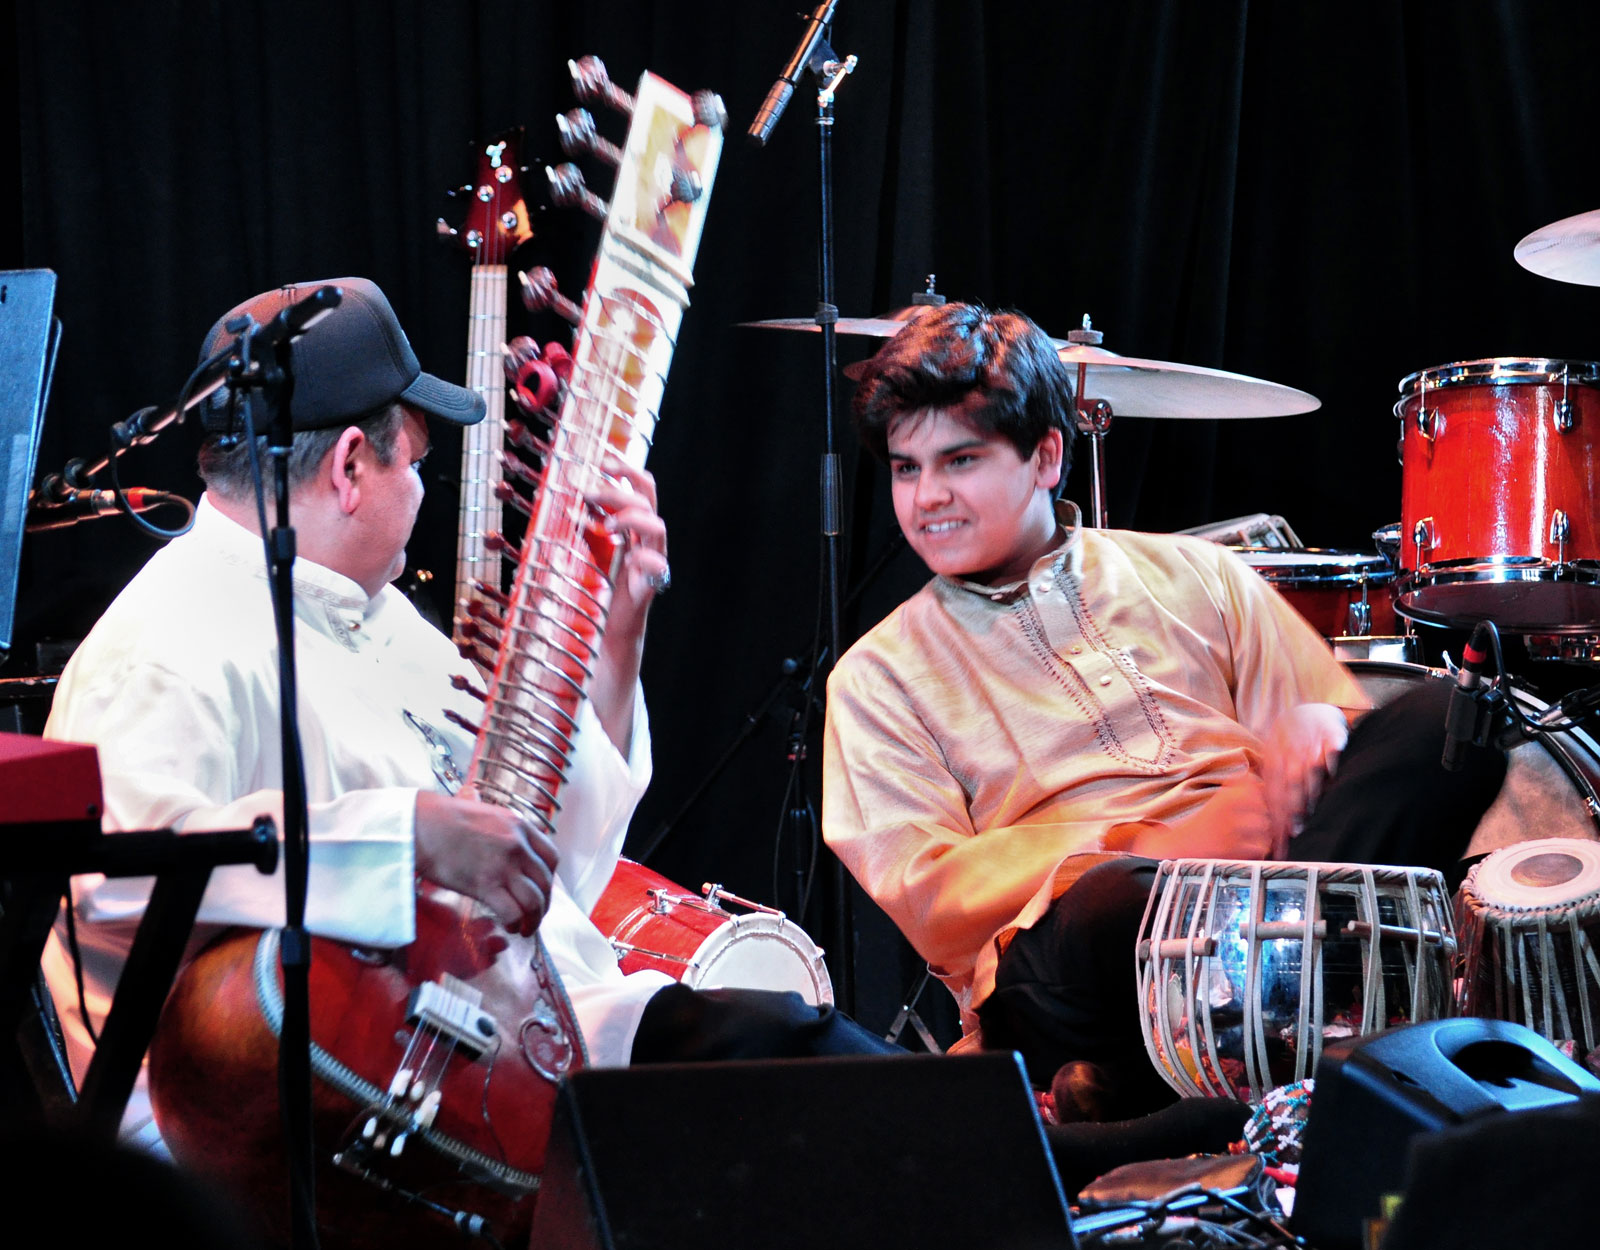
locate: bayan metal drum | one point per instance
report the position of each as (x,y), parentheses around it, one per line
(653,923)
(1501,464)
(1246,968)
(1551,781)
(1528,916)
(1342,593)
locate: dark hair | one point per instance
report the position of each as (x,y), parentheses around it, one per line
(225,462)
(957,350)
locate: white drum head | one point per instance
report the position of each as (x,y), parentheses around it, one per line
(1547,872)
(761,952)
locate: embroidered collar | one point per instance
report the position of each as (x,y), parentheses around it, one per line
(1064,557)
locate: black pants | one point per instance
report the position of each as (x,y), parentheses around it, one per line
(683,1025)
(1065,988)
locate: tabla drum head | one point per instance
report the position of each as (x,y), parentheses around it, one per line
(1546,872)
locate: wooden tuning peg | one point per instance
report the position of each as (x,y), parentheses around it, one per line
(481,611)
(454,717)
(592,84)
(476,655)
(467,687)
(505,492)
(579,137)
(709,111)
(568,190)
(541,291)
(492,593)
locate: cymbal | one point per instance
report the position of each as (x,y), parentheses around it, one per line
(1567,250)
(1162,388)
(884,327)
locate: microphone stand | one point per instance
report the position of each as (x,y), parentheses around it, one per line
(815,54)
(274,376)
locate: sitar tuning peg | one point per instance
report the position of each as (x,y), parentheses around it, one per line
(709,110)
(481,611)
(492,593)
(521,436)
(477,631)
(501,546)
(483,659)
(468,687)
(505,492)
(568,190)
(592,84)
(517,467)
(540,291)
(454,717)
(579,137)
(446,231)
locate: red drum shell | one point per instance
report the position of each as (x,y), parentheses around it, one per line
(1323,585)
(657,924)
(1498,456)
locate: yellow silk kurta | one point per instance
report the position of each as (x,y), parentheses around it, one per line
(981,736)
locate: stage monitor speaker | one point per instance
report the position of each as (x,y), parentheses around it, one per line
(927,1151)
(1375,1094)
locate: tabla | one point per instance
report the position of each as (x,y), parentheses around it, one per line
(1342,593)
(1498,494)
(1247,967)
(1529,917)
(1552,783)
(653,923)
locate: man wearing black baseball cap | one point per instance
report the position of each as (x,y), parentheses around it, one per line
(176,685)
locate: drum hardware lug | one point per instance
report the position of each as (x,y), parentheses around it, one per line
(1430,423)
(716,896)
(1560,531)
(1422,537)
(658,902)
(1358,617)
(1563,416)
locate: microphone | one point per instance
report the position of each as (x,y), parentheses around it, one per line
(778,98)
(86,505)
(1461,718)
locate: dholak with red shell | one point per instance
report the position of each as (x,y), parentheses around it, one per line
(654,923)
(1498,495)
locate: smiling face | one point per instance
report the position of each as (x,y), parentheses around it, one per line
(969,504)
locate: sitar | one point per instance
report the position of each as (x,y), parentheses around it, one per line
(437,1064)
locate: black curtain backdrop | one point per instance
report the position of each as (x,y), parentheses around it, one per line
(1324,195)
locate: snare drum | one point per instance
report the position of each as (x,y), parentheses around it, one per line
(653,923)
(1528,916)
(1498,497)
(1246,968)
(1342,593)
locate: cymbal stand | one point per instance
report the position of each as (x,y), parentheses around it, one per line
(1094,420)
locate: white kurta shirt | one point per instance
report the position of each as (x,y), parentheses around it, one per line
(177,687)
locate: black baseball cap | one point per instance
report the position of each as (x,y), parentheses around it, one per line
(354,360)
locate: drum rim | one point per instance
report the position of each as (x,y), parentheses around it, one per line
(1558,745)
(1492,571)
(1499,371)
(737,929)
(1377,571)
(1525,915)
